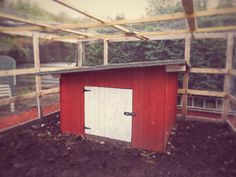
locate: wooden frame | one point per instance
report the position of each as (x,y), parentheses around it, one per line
(78,37)
(186,75)
(228,67)
(37,78)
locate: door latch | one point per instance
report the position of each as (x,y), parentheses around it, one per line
(129,113)
(87,128)
(86,90)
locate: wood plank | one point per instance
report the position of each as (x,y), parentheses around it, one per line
(174,16)
(70,6)
(186,75)
(202,92)
(41,35)
(208,70)
(41,25)
(189,11)
(228,67)
(15,72)
(213,35)
(37,78)
(175,68)
(122,36)
(105,52)
(218,28)
(31,95)
(80,54)
(200,33)
(50,91)
(211,12)
(6,101)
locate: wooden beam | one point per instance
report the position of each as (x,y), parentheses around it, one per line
(41,35)
(215,29)
(136,34)
(41,25)
(175,68)
(122,36)
(37,78)
(50,91)
(213,35)
(174,16)
(186,75)
(158,33)
(80,54)
(189,11)
(208,70)
(201,93)
(16,72)
(228,67)
(105,52)
(6,101)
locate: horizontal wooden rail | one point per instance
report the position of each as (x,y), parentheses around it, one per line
(50,91)
(208,70)
(6,101)
(15,72)
(202,92)
(174,16)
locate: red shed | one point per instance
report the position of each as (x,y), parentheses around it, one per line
(134,102)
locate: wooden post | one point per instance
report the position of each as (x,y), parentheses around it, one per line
(80,54)
(105,52)
(186,76)
(228,67)
(37,78)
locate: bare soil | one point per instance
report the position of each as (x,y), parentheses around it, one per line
(195,149)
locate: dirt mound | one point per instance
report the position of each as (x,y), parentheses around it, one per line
(196,149)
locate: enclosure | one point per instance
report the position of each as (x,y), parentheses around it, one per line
(42,43)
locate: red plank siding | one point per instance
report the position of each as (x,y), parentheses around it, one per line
(152,89)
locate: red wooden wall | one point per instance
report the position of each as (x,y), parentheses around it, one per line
(154,101)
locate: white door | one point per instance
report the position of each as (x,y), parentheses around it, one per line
(104,112)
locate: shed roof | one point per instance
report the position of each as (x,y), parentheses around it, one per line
(117,66)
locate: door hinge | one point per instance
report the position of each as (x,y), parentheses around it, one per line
(87,128)
(129,113)
(86,90)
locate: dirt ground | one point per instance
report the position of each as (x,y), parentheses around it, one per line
(195,149)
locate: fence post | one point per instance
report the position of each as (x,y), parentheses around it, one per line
(80,54)
(228,67)
(105,52)
(37,78)
(186,75)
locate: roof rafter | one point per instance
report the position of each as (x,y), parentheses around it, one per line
(174,16)
(42,26)
(158,33)
(127,31)
(189,11)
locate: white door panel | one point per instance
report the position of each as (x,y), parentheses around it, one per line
(104,112)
